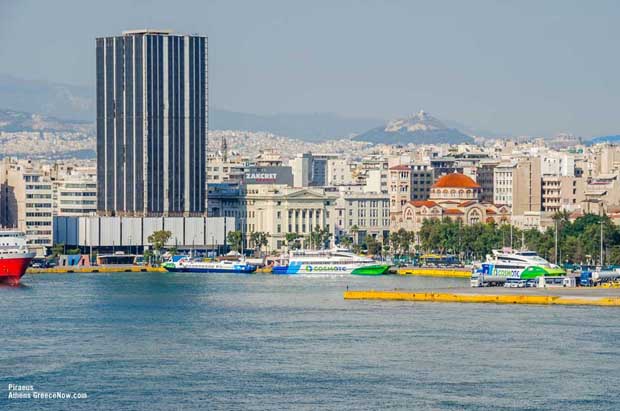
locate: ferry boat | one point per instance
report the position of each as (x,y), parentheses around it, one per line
(336,261)
(504,264)
(14,256)
(182,263)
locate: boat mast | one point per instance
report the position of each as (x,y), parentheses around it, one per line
(556,242)
(601,251)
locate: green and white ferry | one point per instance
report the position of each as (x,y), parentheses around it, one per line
(507,264)
(336,261)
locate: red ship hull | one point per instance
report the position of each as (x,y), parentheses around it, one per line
(13,268)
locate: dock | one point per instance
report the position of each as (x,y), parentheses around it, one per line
(607,297)
(96,269)
(435,272)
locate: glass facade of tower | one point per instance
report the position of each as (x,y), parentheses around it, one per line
(151,124)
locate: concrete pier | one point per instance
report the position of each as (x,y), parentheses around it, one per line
(96,269)
(547,296)
(435,272)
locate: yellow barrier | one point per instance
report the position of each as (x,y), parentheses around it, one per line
(95,269)
(477,298)
(434,272)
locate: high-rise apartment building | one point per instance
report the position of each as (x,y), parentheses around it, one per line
(151,123)
(519,185)
(27,202)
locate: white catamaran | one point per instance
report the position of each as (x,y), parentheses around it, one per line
(336,261)
(503,264)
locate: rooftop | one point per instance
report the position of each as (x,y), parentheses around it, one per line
(401,167)
(146,31)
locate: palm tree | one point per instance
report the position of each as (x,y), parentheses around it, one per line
(354,230)
(292,241)
(346,241)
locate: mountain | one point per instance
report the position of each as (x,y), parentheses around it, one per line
(311,127)
(57,102)
(420,128)
(604,139)
(11,120)
(62,101)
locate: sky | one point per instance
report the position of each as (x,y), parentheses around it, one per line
(522,67)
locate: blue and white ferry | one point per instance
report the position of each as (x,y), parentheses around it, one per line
(182,263)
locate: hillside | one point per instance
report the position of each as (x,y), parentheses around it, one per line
(420,128)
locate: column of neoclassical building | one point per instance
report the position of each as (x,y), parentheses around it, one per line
(304,220)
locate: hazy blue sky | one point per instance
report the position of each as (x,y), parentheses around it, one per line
(536,67)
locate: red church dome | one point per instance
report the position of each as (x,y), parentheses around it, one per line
(455,180)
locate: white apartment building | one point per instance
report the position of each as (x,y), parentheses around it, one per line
(361,214)
(376,181)
(502,183)
(558,164)
(26,202)
(75,194)
(224,170)
(302,169)
(339,172)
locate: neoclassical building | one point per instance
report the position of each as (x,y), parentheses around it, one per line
(455,196)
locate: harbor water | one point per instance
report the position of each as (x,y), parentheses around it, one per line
(161,341)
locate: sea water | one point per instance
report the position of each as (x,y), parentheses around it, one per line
(160,341)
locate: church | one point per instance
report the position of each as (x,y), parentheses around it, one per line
(454,196)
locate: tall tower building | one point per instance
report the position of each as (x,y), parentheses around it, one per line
(151,123)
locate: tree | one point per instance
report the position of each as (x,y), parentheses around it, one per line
(158,239)
(401,241)
(346,241)
(148,256)
(292,241)
(372,245)
(259,239)
(354,230)
(58,249)
(318,237)
(235,240)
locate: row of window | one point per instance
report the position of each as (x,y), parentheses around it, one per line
(77,210)
(296,228)
(78,202)
(374,222)
(373,203)
(38,214)
(78,194)
(38,223)
(80,185)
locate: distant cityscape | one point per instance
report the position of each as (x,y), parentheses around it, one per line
(157,169)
